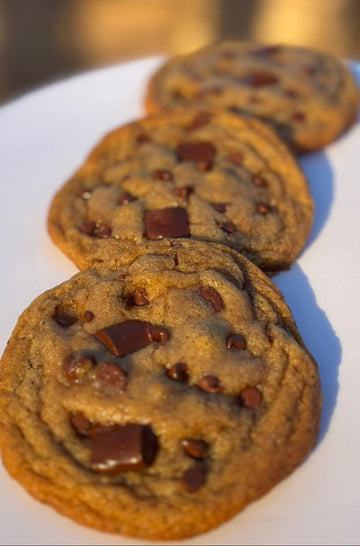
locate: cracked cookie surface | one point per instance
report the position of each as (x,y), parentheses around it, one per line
(310,97)
(208,175)
(157,394)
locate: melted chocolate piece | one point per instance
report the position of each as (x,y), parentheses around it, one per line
(229,227)
(159,334)
(125,448)
(77,365)
(166,222)
(213,296)
(236,342)
(236,157)
(250,397)
(202,153)
(193,479)
(201,119)
(260,79)
(139,297)
(220,207)
(195,448)
(80,424)
(183,191)
(111,375)
(263,209)
(88,316)
(178,372)
(126,198)
(209,383)
(125,337)
(162,175)
(258,181)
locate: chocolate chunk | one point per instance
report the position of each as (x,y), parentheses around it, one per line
(88,228)
(63,318)
(220,207)
(166,222)
(195,448)
(139,297)
(88,316)
(209,383)
(213,296)
(103,231)
(236,157)
(250,397)
(236,342)
(260,79)
(125,337)
(125,448)
(193,479)
(229,227)
(298,116)
(263,209)
(183,191)
(162,175)
(77,365)
(109,374)
(159,334)
(126,198)
(201,119)
(178,372)
(258,181)
(80,424)
(202,153)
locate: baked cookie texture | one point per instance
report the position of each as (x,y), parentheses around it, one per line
(310,97)
(157,394)
(205,174)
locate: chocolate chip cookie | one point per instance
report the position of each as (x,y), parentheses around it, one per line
(205,174)
(159,393)
(309,97)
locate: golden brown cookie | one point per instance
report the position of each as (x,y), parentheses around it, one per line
(158,394)
(208,175)
(308,96)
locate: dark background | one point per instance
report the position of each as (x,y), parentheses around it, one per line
(45,40)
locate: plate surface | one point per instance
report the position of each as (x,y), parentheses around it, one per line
(44,137)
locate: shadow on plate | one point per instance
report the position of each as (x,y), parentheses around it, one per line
(317,333)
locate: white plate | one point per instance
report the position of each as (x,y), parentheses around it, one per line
(44,137)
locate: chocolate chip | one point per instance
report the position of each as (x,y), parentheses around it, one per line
(77,365)
(209,383)
(88,316)
(125,448)
(201,119)
(142,138)
(80,424)
(126,198)
(162,175)
(213,296)
(258,181)
(195,448)
(260,79)
(88,228)
(125,337)
(139,297)
(183,191)
(63,318)
(159,334)
(220,207)
(263,209)
(236,342)
(109,374)
(298,116)
(202,153)
(193,479)
(229,227)
(236,157)
(250,397)
(103,231)
(166,222)
(178,372)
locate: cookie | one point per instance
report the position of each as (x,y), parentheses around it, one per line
(208,175)
(157,394)
(309,97)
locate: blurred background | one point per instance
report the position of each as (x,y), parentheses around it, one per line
(45,40)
